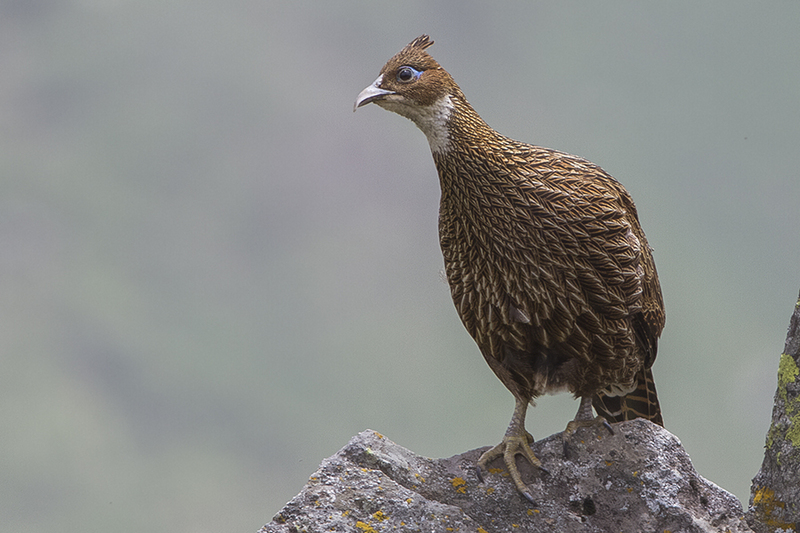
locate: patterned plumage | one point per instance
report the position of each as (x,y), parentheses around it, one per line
(548,266)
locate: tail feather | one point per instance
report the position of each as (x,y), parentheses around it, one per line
(642,402)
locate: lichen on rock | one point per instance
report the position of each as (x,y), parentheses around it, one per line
(775,493)
(639,479)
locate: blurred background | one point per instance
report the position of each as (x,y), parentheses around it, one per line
(213,273)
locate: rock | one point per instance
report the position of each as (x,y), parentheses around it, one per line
(638,480)
(775,493)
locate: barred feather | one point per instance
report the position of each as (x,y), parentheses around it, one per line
(642,402)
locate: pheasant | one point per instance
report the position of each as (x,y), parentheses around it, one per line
(548,266)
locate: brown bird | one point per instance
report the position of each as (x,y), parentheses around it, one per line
(548,266)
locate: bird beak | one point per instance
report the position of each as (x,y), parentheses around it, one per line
(371,93)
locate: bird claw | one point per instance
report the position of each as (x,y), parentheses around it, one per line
(479,472)
(575,424)
(528,497)
(508,449)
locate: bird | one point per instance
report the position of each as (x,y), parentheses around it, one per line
(548,266)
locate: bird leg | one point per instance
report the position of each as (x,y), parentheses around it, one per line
(515,442)
(583,418)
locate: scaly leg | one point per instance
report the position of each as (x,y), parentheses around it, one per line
(516,441)
(583,418)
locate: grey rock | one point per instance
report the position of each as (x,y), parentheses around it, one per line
(775,492)
(638,480)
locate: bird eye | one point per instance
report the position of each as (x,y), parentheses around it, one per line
(407,74)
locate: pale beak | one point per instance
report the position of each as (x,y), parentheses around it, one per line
(371,93)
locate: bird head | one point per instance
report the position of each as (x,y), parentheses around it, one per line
(414,85)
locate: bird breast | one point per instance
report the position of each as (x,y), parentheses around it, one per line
(537,261)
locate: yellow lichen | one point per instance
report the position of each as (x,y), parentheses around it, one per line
(765,503)
(380,516)
(793,433)
(787,373)
(366,528)
(459,484)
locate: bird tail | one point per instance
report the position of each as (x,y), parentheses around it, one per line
(642,402)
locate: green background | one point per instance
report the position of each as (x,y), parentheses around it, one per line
(213,273)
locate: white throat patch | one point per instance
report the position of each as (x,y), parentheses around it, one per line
(432,119)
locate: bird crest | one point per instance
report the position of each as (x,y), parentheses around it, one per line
(420,43)
(414,54)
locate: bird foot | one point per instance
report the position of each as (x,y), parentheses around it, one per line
(508,449)
(573,426)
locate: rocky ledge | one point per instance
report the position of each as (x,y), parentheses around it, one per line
(639,479)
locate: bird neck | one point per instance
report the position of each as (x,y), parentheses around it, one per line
(468,132)
(477,158)
(468,138)
(450,124)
